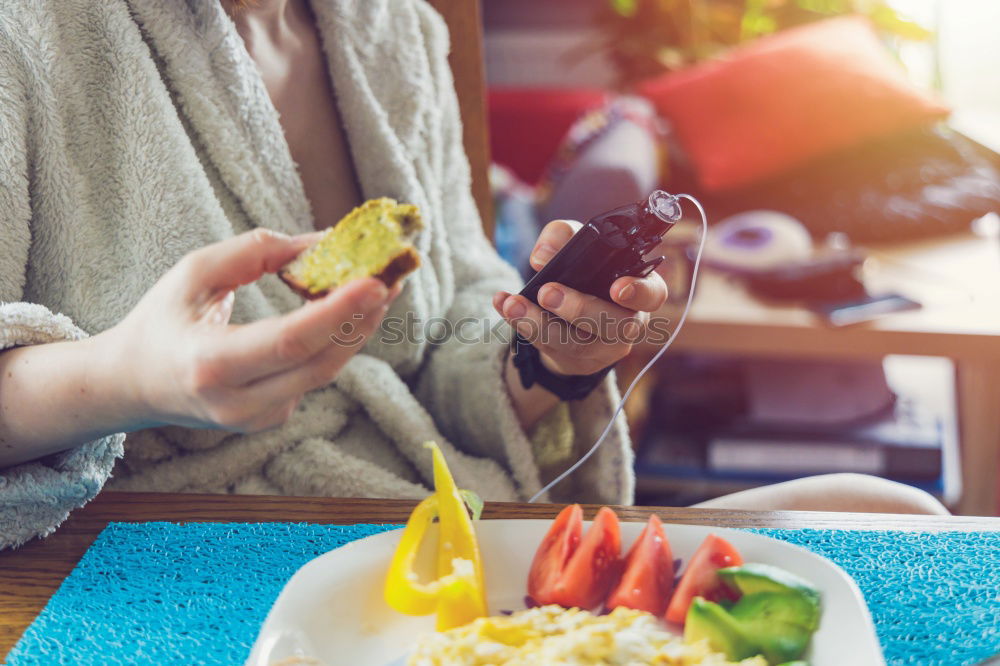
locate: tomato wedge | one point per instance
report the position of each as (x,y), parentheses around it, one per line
(700,578)
(575,572)
(553,554)
(648,577)
(593,567)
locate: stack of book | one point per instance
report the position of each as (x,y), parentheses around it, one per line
(683,460)
(906,444)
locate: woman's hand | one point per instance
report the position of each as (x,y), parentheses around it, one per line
(175,359)
(188,366)
(588,333)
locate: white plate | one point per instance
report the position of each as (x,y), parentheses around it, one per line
(333,610)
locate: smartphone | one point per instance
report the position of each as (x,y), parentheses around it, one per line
(864,309)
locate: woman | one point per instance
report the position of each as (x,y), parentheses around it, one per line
(146,148)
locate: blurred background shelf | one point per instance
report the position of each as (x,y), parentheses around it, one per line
(921,202)
(956,277)
(675,463)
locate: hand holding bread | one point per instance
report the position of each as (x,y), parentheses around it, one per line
(186,365)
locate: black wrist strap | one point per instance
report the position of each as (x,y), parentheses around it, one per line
(532,371)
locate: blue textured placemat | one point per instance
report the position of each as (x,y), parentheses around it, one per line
(161,593)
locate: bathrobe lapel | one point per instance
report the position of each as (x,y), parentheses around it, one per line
(219,90)
(388,104)
(390,127)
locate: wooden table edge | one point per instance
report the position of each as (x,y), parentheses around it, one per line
(31,574)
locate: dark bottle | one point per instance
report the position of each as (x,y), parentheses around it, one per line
(609,246)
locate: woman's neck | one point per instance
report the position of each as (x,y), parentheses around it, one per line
(257,16)
(256,6)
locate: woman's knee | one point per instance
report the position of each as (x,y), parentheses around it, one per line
(845,492)
(873,494)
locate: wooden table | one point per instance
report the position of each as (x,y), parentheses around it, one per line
(956,279)
(32,573)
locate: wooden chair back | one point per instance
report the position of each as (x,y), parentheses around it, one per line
(466,59)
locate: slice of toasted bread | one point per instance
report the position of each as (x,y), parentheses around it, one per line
(372,240)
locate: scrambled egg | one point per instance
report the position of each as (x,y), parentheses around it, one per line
(553,636)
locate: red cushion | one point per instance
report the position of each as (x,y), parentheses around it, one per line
(772,105)
(528,124)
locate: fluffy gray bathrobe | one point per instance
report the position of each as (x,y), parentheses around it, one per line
(134,131)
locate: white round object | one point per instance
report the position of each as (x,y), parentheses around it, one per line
(757,240)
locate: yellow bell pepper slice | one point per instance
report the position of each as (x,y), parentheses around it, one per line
(458,595)
(465,599)
(402,590)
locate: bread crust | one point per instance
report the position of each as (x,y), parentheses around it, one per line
(401,265)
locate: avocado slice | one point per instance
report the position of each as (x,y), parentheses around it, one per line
(707,620)
(775,616)
(749,579)
(752,577)
(781,623)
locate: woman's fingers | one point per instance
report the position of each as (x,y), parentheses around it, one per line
(219,311)
(553,237)
(596,316)
(592,316)
(646,294)
(498,300)
(340,321)
(237,261)
(317,371)
(575,351)
(310,237)
(238,392)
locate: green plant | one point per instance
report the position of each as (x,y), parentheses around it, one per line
(646,37)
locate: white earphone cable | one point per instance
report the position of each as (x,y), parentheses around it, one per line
(656,357)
